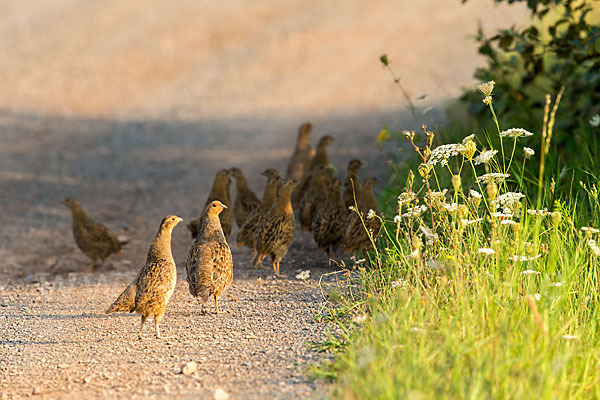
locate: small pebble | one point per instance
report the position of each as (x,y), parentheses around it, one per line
(189,368)
(220,394)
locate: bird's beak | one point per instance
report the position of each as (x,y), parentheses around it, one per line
(224,206)
(179,220)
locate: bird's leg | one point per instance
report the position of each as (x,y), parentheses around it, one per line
(328,257)
(202,311)
(157,319)
(275,269)
(217,306)
(93,265)
(144,318)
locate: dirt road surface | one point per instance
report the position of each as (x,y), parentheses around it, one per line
(132,107)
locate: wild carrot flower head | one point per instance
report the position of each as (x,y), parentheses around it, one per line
(529,152)
(475,194)
(484,157)
(486,252)
(442,153)
(486,88)
(515,133)
(509,202)
(593,245)
(492,177)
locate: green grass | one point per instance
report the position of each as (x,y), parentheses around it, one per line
(439,319)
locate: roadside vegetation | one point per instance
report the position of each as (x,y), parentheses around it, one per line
(484,280)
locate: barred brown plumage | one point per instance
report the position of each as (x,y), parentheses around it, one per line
(209,266)
(277,230)
(151,290)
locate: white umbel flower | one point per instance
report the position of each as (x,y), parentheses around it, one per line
(486,88)
(492,177)
(595,121)
(589,229)
(442,153)
(529,152)
(593,245)
(484,157)
(524,258)
(510,202)
(475,194)
(515,133)
(371,214)
(486,251)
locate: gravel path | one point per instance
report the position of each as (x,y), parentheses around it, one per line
(57,342)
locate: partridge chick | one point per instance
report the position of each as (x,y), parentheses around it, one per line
(321,158)
(303,153)
(352,183)
(249,231)
(219,191)
(329,222)
(277,230)
(209,265)
(355,236)
(245,199)
(316,195)
(93,238)
(151,290)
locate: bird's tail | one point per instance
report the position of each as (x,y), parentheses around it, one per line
(258,258)
(125,302)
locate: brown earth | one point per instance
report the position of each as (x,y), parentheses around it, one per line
(131,107)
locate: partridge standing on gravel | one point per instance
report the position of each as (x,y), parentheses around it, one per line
(303,153)
(209,265)
(151,290)
(355,235)
(321,158)
(219,191)
(249,231)
(317,194)
(329,222)
(93,238)
(245,199)
(277,230)
(352,183)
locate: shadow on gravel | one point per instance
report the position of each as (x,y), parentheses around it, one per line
(130,173)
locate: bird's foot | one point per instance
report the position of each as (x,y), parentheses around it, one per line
(232,297)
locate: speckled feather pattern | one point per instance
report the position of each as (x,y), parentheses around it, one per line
(209,267)
(153,287)
(329,222)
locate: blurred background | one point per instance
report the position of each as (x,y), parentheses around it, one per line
(133,106)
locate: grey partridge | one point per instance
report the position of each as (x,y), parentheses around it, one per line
(152,288)
(249,231)
(219,191)
(355,235)
(316,194)
(352,183)
(94,239)
(276,233)
(303,153)
(328,224)
(245,199)
(209,265)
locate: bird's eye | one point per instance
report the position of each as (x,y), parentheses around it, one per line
(214,205)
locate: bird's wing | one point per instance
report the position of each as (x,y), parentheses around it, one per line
(155,279)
